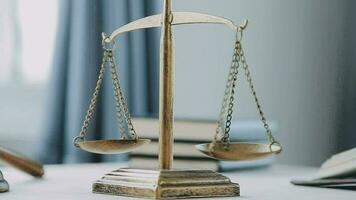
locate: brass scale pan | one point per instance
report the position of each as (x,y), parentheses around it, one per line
(111,146)
(238,151)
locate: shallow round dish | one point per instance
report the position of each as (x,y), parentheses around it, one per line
(239,151)
(111,146)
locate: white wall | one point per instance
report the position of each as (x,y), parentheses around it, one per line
(295,51)
(21,117)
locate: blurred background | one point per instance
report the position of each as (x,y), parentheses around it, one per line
(302,56)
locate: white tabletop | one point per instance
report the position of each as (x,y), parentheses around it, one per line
(74,182)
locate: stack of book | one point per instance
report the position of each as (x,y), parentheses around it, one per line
(189,133)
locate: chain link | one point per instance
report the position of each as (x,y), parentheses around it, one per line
(92,105)
(122,112)
(119,95)
(229,101)
(226,110)
(220,123)
(116,87)
(253,91)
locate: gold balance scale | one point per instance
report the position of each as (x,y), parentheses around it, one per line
(168,183)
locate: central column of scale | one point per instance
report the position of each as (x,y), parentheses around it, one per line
(166,74)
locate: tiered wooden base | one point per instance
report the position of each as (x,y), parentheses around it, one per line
(166,184)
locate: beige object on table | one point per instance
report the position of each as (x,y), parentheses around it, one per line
(74,182)
(20,162)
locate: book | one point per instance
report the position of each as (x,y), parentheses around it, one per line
(337,172)
(151,162)
(203,131)
(180,149)
(188,133)
(341,164)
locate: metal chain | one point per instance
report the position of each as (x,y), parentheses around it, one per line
(120,115)
(119,96)
(258,105)
(122,112)
(226,138)
(220,122)
(228,99)
(92,105)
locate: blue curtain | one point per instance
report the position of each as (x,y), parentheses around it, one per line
(76,62)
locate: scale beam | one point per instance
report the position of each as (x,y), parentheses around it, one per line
(179,18)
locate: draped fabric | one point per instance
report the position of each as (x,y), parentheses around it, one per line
(78,54)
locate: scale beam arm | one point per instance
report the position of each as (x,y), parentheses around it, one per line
(179,18)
